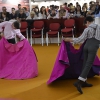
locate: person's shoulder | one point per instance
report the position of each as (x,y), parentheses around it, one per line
(6,22)
(86,29)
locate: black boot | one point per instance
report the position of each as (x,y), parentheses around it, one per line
(85,84)
(78,85)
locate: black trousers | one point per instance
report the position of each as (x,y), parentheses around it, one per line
(89,53)
(11,40)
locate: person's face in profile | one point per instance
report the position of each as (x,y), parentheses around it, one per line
(87,23)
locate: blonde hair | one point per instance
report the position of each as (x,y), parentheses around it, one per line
(32,12)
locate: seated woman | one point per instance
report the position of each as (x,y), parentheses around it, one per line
(36,11)
(17,60)
(78,12)
(42,14)
(84,11)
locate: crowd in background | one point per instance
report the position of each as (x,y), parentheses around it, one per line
(52,12)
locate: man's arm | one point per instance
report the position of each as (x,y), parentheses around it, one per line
(2,25)
(18,33)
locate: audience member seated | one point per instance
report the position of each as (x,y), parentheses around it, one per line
(57,9)
(42,14)
(31,16)
(21,15)
(13,15)
(91,12)
(63,13)
(25,11)
(53,15)
(4,10)
(50,10)
(84,11)
(78,12)
(86,6)
(4,17)
(36,11)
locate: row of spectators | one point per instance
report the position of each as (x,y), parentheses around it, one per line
(64,11)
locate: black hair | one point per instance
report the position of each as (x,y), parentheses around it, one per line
(88,18)
(65,3)
(13,8)
(19,4)
(16,24)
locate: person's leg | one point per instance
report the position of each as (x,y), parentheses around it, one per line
(79,83)
(92,50)
(82,78)
(88,65)
(85,56)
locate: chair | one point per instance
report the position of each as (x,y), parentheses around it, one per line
(37,31)
(69,28)
(53,31)
(24,29)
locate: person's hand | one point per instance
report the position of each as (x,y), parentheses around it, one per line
(68,39)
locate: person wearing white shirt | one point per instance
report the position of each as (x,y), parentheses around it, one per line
(11,30)
(42,14)
(31,16)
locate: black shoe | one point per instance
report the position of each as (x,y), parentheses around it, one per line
(78,86)
(85,84)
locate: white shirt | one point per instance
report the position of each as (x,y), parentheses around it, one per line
(41,16)
(9,32)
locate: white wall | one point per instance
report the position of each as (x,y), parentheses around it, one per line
(48,3)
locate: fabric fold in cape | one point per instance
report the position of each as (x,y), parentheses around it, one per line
(17,61)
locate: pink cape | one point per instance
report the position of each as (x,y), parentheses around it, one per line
(17,61)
